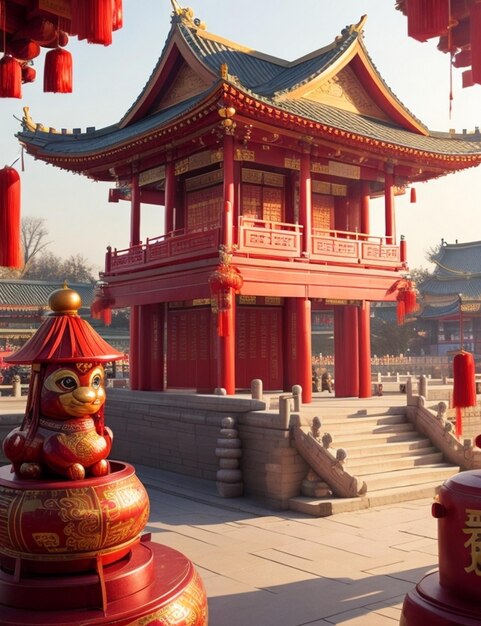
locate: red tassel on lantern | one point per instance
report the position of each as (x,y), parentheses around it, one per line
(118,16)
(413,195)
(464,386)
(10,78)
(10,248)
(57,73)
(107,316)
(93,20)
(427,18)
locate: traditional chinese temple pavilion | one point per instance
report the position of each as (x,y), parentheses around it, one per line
(451,299)
(274,163)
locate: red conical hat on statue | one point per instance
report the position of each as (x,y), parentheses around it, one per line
(64,336)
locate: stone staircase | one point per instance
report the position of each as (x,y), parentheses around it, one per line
(383,449)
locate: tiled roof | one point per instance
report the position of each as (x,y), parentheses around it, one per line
(266,79)
(259,73)
(432,312)
(469,288)
(458,260)
(97,140)
(32,294)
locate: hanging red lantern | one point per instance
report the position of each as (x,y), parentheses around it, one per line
(464,385)
(93,20)
(28,74)
(10,78)
(57,73)
(406,298)
(223,281)
(24,49)
(475,15)
(427,18)
(118,15)
(100,309)
(10,238)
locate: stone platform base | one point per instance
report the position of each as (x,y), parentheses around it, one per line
(153,585)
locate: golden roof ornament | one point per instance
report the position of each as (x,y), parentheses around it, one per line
(187,16)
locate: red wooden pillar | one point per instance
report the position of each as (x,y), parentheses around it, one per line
(304,349)
(389,208)
(226,344)
(229,184)
(351,360)
(135,212)
(365,196)
(134,347)
(169,196)
(289,347)
(305,201)
(144,343)
(226,353)
(339,353)
(364,322)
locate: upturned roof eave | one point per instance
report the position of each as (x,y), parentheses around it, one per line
(37,142)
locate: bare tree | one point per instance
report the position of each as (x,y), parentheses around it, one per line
(48,266)
(34,235)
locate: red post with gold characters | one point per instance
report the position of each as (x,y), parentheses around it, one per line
(72,548)
(450,596)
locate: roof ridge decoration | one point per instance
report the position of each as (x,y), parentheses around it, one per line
(186,15)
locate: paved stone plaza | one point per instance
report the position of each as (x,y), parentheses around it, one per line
(264,568)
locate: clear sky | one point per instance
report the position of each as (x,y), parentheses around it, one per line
(107,80)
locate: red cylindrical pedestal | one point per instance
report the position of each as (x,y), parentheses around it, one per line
(155,586)
(451,596)
(71,554)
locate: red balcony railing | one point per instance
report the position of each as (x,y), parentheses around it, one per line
(261,238)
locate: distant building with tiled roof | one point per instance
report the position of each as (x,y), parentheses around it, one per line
(23,303)
(451,299)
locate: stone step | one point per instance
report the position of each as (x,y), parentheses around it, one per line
(367,429)
(389,463)
(356,440)
(363,422)
(323,507)
(402,448)
(408,477)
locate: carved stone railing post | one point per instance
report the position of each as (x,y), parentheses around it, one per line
(285,408)
(423,386)
(257,390)
(229,476)
(297,396)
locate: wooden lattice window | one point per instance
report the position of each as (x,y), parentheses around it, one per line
(322,209)
(263,195)
(204,209)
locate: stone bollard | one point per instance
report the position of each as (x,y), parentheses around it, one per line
(285,408)
(257,390)
(229,476)
(423,386)
(16,386)
(297,397)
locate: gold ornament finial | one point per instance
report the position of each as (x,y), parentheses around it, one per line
(65,301)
